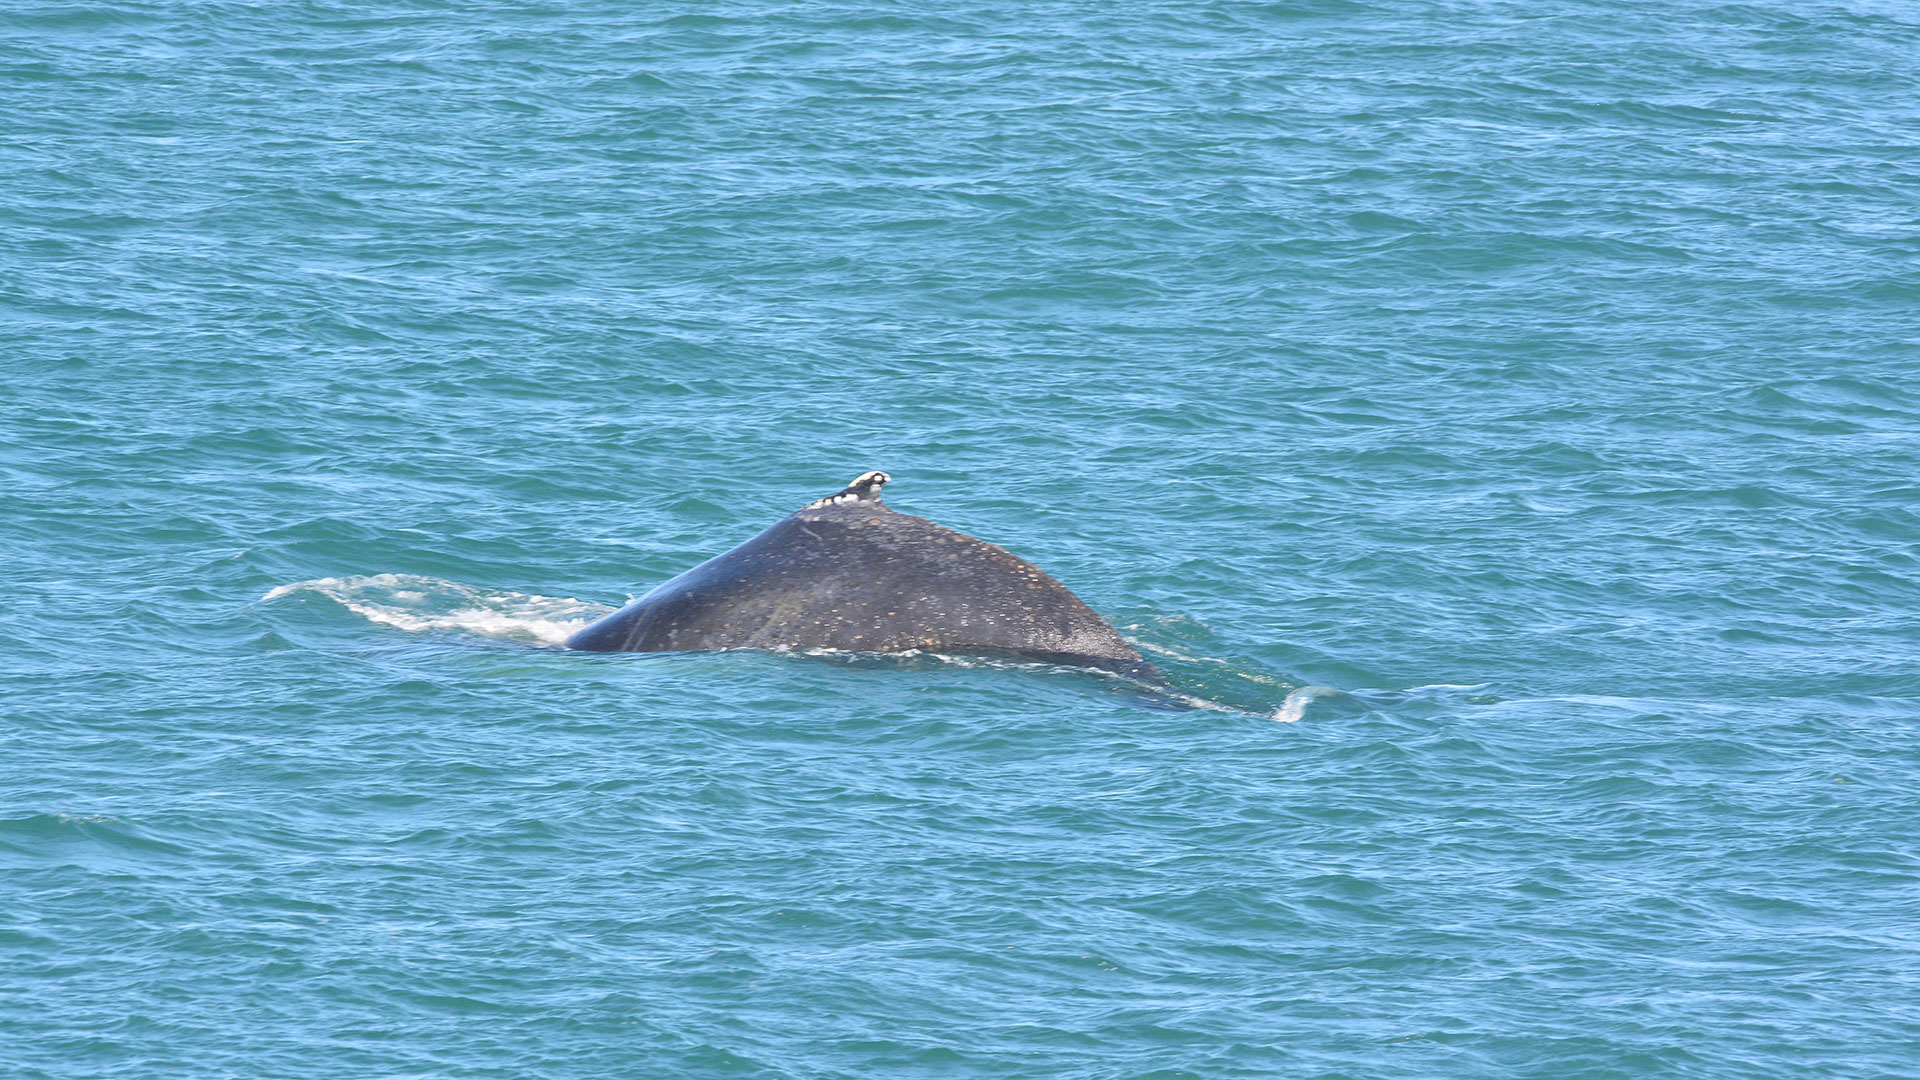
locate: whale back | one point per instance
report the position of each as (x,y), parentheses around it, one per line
(849,573)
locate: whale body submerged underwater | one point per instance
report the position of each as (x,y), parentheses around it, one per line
(848,573)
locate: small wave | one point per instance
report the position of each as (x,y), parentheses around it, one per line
(1204,682)
(424,605)
(1295,707)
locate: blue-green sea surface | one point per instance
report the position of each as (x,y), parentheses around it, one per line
(1501,421)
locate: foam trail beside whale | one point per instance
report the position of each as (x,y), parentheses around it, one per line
(423,604)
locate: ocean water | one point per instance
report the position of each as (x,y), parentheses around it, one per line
(1501,421)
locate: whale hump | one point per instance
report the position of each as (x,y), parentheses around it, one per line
(846,572)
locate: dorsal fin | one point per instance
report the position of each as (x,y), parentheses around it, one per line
(866,488)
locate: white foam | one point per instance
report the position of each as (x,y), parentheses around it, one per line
(428,605)
(1295,707)
(1168,650)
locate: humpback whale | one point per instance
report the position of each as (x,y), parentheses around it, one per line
(847,572)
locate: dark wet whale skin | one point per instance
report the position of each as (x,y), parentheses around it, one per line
(849,573)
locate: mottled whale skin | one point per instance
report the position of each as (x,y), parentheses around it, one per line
(848,573)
